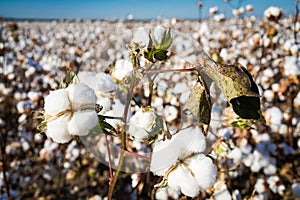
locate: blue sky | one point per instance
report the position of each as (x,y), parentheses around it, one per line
(115,9)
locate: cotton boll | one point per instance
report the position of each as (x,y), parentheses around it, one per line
(38,138)
(123,69)
(25,145)
(221,192)
(33,96)
(145,120)
(294,49)
(20,107)
(162,194)
(166,153)
(88,78)
(137,132)
(22,118)
(181,179)
(235,154)
(268,73)
(270,169)
(161,88)
(165,193)
(269,95)
(260,186)
(105,83)
(273,13)
(219,17)
(58,131)
(141,36)
(213,10)
(170,113)
(224,54)
(249,8)
(291,66)
(82,122)
(192,140)
(287,45)
(204,170)
(246,149)
(255,166)
(275,87)
(82,96)
(180,88)
(57,101)
(273,118)
(248,160)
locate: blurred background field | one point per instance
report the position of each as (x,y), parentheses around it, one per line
(263,162)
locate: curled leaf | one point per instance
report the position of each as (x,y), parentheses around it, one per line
(199,104)
(238,86)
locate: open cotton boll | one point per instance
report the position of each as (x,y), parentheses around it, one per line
(166,153)
(181,179)
(141,36)
(105,83)
(57,130)
(198,173)
(142,123)
(56,102)
(204,169)
(190,140)
(72,111)
(123,68)
(137,132)
(82,122)
(81,96)
(88,78)
(272,12)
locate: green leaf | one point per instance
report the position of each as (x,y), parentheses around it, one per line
(199,103)
(161,54)
(71,78)
(238,86)
(158,51)
(104,127)
(149,54)
(166,41)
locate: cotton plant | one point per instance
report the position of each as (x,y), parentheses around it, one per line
(88,104)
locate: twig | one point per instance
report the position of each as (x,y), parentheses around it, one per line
(168,70)
(109,161)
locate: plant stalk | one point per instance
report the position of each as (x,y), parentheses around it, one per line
(123,134)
